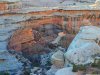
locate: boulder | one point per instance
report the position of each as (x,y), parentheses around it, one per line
(85,46)
(57,59)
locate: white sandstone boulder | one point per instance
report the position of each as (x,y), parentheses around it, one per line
(84,48)
(65,71)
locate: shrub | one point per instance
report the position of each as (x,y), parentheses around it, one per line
(4,73)
(96,65)
(75,68)
(78,67)
(93,65)
(81,67)
(94,72)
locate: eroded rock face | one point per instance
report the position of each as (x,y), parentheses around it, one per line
(85,46)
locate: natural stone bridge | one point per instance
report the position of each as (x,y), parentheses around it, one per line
(65,19)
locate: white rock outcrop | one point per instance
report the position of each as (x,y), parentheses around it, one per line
(57,59)
(85,46)
(65,71)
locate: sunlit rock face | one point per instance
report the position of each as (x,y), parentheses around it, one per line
(19,38)
(84,48)
(27,41)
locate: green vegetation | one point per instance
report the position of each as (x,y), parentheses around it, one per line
(82,67)
(75,68)
(96,64)
(48,63)
(36,64)
(78,67)
(4,73)
(95,72)
(26,72)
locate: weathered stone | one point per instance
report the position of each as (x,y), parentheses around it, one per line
(57,59)
(85,46)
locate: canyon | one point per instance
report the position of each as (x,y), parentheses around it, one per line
(25,29)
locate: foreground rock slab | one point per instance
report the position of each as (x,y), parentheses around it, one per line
(85,46)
